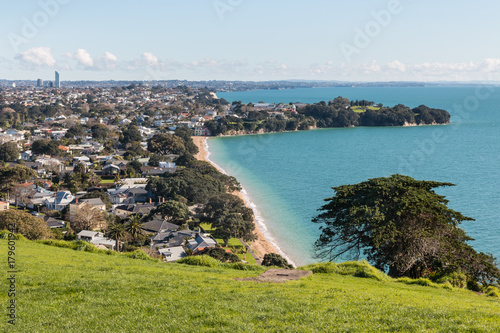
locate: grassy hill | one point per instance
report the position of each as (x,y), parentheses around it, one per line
(63,290)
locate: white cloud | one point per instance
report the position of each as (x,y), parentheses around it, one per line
(83,58)
(110,57)
(150,59)
(273,68)
(38,56)
(396,65)
(106,62)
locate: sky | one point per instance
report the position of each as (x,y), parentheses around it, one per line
(362,40)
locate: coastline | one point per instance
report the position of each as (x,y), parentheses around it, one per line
(261,245)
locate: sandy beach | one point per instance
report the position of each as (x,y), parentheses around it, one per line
(261,246)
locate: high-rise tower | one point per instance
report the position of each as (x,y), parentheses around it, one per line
(57,83)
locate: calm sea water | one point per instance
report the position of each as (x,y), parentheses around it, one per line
(286,176)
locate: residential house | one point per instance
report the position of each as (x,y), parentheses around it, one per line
(4,205)
(171,238)
(137,209)
(96,238)
(26,155)
(201,242)
(202,131)
(171,254)
(157,226)
(60,200)
(53,223)
(129,196)
(110,170)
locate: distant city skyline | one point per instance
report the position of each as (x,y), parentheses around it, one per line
(392,40)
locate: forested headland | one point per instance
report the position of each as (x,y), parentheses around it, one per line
(339,112)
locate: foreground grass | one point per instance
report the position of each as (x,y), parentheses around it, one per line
(63,290)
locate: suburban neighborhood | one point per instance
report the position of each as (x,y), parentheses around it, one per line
(89,163)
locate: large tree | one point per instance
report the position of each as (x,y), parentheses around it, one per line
(117,232)
(134,228)
(87,217)
(24,223)
(165,144)
(131,134)
(402,226)
(185,133)
(9,151)
(231,218)
(175,211)
(9,176)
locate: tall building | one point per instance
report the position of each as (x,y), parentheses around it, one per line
(57,83)
(39,83)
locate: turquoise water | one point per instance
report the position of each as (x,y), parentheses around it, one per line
(286,176)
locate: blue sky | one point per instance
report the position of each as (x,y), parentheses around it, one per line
(364,40)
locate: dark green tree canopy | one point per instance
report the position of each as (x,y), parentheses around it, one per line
(274,259)
(402,226)
(9,151)
(100,132)
(185,134)
(177,212)
(198,182)
(131,134)
(9,176)
(49,147)
(165,144)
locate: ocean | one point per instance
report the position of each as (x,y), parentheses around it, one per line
(286,176)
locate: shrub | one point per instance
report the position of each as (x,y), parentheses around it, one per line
(492,291)
(221,255)
(456,279)
(25,224)
(242,267)
(274,259)
(4,234)
(354,268)
(139,254)
(420,282)
(203,260)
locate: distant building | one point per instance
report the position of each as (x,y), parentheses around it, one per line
(4,205)
(39,83)
(57,83)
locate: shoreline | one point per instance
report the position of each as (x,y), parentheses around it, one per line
(261,245)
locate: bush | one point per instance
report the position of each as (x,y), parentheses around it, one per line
(354,268)
(221,255)
(203,260)
(25,224)
(492,291)
(274,259)
(242,267)
(4,234)
(420,282)
(139,254)
(456,279)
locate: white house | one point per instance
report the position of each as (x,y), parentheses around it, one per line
(171,254)
(59,201)
(96,238)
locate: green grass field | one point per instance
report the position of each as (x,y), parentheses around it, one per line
(362,109)
(107,181)
(63,290)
